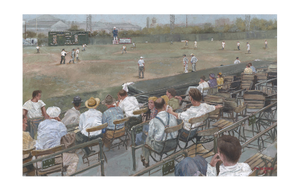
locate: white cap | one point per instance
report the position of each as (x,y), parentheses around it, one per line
(114,27)
(141,57)
(53,111)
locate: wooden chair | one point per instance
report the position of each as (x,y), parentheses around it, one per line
(89,130)
(117,134)
(167,147)
(254,99)
(233,110)
(29,168)
(247,81)
(51,165)
(213,116)
(187,137)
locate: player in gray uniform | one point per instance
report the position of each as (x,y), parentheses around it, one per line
(194,60)
(185,63)
(72,56)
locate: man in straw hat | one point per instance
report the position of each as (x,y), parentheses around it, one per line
(112,113)
(141,65)
(194,60)
(73,114)
(90,118)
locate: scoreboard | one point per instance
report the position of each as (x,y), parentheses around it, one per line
(62,38)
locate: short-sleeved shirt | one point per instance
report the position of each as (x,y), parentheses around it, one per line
(90,118)
(248,46)
(112,114)
(37,47)
(34,108)
(223,43)
(185,60)
(63,53)
(237,62)
(194,60)
(71,117)
(266,42)
(124,47)
(238,44)
(77,52)
(141,62)
(128,105)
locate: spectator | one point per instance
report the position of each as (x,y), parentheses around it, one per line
(248,70)
(202,84)
(90,118)
(220,80)
(73,114)
(112,113)
(173,102)
(28,142)
(212,80)
(165,97)
(156,131)
(252,67)
(129,104)
(237,61)
(34,109)
(196,110)
(229,152)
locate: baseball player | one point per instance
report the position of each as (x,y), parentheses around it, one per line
(248,48)
(185,63)
(266,44)
(63,56)
(194,60)
(124,49)
(238,45)
(223,45)
(77,54)
(37,49)
(72,56)
(195,44)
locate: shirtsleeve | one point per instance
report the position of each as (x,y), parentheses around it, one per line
(211,171)
(42,104)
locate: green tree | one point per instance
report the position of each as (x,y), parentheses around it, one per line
(240,23)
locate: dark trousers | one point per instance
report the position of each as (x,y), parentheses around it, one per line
(133,121)
(238,47)
(141,70)
(189,166)
(81,138)
(62,59)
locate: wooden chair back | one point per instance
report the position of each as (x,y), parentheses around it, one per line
(28,151)
(174,128)
(47,151)
(254,99)
(198,119)
(119,121)
(96,128)
(140,111)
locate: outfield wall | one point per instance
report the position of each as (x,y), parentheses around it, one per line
(192,37)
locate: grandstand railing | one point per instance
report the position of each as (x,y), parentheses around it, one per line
(267,86)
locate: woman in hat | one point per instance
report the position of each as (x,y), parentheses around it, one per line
(212,80)
(220,80)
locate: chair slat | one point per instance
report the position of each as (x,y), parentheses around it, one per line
(47,151)
(174,128)
(96,128)
(198,119)
(119,121)
(140,111)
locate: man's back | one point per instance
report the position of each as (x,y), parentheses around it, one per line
(90,118)
(128,105)
(202,86)
(112,114)
(237,61)
(49,134)
(71,116)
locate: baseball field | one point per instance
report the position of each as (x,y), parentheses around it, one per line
(104,68)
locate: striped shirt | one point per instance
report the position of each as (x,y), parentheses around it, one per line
(194,60)
(112,114)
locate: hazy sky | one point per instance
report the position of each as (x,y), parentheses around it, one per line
(161,19)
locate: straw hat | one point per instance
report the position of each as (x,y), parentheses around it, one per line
(109,100)
(53,111)
(92,103)
(192,54)
(152,98)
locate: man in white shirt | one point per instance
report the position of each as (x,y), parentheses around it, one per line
(223,45)
(63,56)
(238,45)
(90,118)
(266,44)
(202,84)
(229,152)
(34,110)
(72,115)
(37,49)
(83,46)
(237,61)
(129,104)
(194,60)
(124,49)
(196,110)
(156,132)
(141,65)
(77,54)
(185,63)
(195,44)
(248,48)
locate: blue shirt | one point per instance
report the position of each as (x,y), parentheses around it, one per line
(212,82)
(115,33)
(110,115)
(253,69)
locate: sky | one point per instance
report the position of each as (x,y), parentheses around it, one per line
(140,20)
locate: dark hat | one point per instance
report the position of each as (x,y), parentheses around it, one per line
(76,99)
(237,57)
(184,55)
(63,49)
(109,100)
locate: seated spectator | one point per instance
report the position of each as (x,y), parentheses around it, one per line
(252,67)
(196,110)
(35,109)
(237,61)
(28,142)
(112,113)
(129,104)
(248,70)
(212,80)
(156,132)
(202,84)
(229,152)
(50,131)
(173,102)
(150,114)
(73,114)
(220,80)
(90,118)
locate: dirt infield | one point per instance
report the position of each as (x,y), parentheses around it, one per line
(104,66)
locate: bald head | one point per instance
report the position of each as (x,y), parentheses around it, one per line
(159,103)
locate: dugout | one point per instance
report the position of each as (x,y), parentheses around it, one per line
(62,38)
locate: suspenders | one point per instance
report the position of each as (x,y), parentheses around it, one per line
(168,122)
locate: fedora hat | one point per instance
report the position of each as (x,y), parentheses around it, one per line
(109,100)
(92,103)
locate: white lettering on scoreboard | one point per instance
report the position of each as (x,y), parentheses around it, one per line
(125,41)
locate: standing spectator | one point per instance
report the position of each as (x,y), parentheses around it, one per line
(238,45)
(124,49)
(252,67)
(237,61)
(248,70)
(37,49)
(266,44)
(212,80)
(156,132)
(73,114)
(141,65)
(63,56)
(220,80)
(34,109)
(77,54)
(72,56)
(223,45)
(112,113)
(248,48)
(115,34)
(90,118)
(194,60)
(185,63)
(195,44)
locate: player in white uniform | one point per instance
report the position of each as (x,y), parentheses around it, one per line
(248,48)
(238,45)
(195,44)
(266,44)
(223,45)
(124,49)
